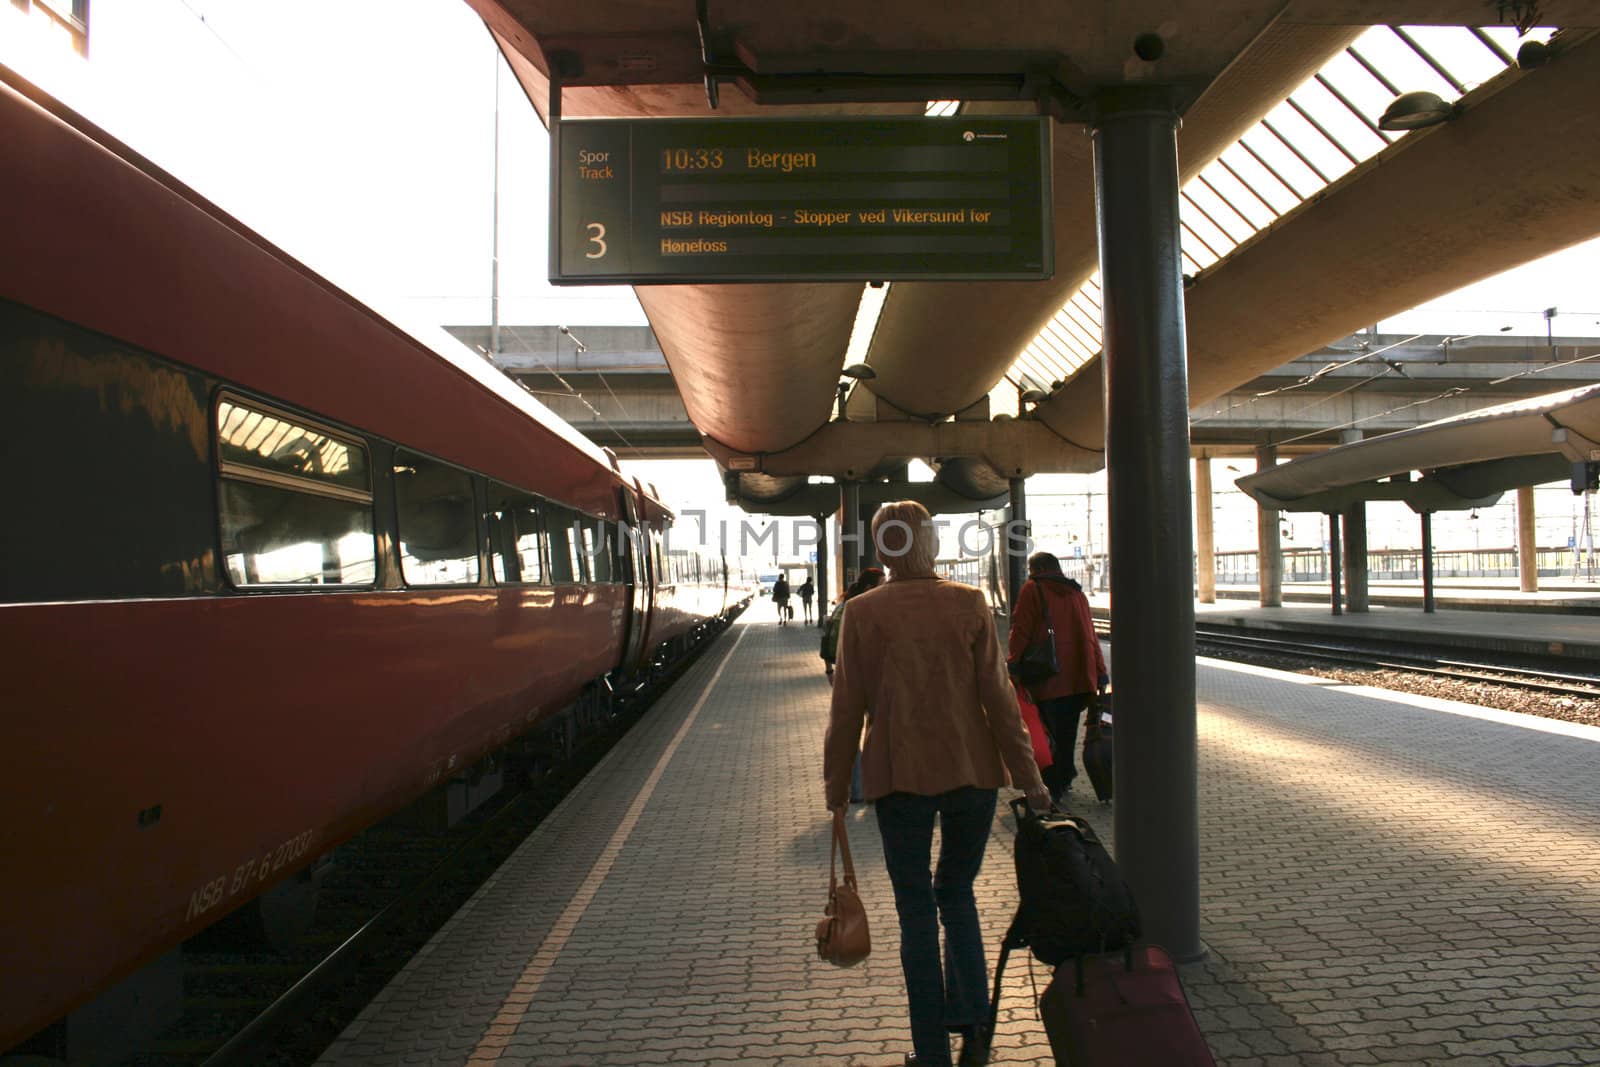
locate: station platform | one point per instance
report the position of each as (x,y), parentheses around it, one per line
(1560,595)
(1386,879)
(1552,622)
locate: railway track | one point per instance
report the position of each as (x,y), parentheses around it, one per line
(1420,660)
(1556,678)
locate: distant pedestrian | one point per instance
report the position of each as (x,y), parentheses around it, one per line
(921,654)
(869,579)
(807,590)
(1064,695)
(780,597)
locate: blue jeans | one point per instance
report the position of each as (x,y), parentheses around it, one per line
(941,998)
(1060,718)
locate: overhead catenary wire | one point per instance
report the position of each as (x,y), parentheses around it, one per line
(554,373)
(600,374)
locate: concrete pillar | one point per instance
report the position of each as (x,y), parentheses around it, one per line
(1269,546)
(1204,533)
(1527,542)
(1427,562)
(1355,557)
(1151,539)
(1016,542)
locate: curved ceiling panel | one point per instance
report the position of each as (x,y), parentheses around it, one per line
(972,479)
(756,365)
(941,346)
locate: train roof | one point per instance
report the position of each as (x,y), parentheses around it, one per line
(425,339)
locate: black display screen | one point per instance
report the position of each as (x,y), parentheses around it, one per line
(741,200)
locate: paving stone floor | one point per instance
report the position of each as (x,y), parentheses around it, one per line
(1385,880)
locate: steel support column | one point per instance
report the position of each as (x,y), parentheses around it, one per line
(1016,542)
(1335,565)
(1204,533)
(1527,542)
(852,533)
(1427,561)
(824,594)
(1269,545)
(1355,558)
(1147,452)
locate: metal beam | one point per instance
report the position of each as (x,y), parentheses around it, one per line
(1015,448)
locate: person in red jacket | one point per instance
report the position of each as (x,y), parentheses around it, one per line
(1062,697)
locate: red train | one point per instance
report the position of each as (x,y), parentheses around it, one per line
(272,567)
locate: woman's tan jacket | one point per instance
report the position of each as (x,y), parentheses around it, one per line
(920,662)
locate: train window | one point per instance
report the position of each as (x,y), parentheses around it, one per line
(515,524)
(566,545)
(295,500)
(267,446)
(598,548)
(437,527)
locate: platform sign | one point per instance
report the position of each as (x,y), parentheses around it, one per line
(740,200)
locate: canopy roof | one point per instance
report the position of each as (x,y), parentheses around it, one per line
(1466,461)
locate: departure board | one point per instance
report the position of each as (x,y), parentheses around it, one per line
(748,200)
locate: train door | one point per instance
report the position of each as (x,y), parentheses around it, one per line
(636,573)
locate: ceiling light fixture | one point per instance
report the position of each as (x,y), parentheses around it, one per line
(859,372)
(1414,111)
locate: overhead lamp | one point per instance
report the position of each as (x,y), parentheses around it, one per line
(1034,396)
(859,372)
(1414,111)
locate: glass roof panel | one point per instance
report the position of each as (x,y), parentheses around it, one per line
(1462,54)
(1400,64)
(1245,201)
(866,323)
(1238,227)
(1357,84)
(1338,121)
(1507,38)
(1203,241)
(1273,153)
(1080,329)
(1293,153)
(1328,162)
(1249,170)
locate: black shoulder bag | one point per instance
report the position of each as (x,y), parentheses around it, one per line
(1038,661)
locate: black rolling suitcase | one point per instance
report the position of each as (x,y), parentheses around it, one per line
(1097,750)
(1073,900)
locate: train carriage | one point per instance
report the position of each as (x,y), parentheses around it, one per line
(272,567)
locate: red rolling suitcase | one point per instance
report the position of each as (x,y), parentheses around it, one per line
(1122,1010)
(1036,731)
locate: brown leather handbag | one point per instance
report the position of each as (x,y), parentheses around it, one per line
(842,937)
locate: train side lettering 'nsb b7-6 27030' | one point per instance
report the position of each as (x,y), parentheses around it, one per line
(271,566)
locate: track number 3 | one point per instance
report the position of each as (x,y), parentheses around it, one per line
(597,237)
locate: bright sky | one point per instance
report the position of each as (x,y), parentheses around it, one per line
(360,136)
